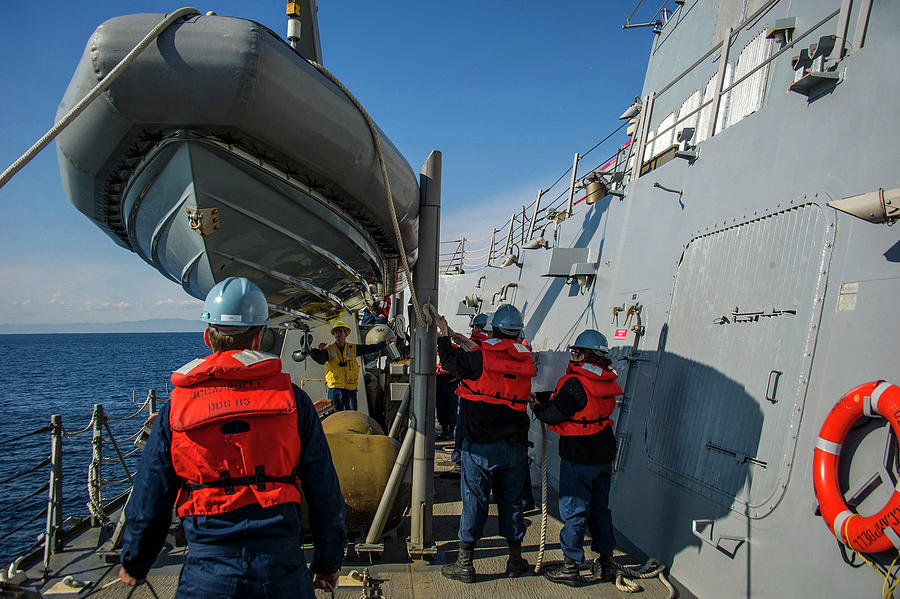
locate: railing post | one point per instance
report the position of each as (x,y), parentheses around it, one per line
(509,235)
(523,224)
(462,254)
(96,460)
(720,82)
(572,184)
(537,205)
(491,249)
(151,401)
(52,538)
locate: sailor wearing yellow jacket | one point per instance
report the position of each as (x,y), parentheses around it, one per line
(341,366)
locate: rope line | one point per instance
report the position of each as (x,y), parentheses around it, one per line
(540,560)
(387,187)
(43,488)
(45,429)
(43,512)
(78,432)
(44,462)
(104,83)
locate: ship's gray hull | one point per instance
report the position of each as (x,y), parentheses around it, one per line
(221,125)
(759,306)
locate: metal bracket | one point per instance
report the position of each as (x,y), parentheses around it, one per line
(204,221)
(727,544)
(416,551)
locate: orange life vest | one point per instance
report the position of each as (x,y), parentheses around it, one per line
(601,389)
(234,433)
(506,375)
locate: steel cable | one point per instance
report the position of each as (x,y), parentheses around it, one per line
(44,462)
(45,429)
(43,512)
(43,488)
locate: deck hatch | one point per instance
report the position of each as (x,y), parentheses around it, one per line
(746,303)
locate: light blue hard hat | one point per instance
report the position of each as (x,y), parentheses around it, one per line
(236,302)
(591,339)
(507,317)
(479,320)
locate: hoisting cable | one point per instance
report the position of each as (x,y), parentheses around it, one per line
(70,116)
(44,429)
(421,318)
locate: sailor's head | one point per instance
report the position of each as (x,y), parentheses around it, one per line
(479,322)
(340,330)
(507,322)
(236,312)
(591,346)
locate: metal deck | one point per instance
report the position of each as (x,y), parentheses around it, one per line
(402,578)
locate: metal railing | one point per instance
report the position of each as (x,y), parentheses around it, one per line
(626,161)
(101,434)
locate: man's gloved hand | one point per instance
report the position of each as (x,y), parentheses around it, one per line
(325,582)
(129,579)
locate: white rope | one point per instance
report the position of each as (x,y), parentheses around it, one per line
(92,95)
(540,560)
(387,188)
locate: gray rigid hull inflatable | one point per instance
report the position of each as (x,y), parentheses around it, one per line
(221,152)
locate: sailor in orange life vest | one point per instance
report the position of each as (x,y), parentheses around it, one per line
(579,412)
(496,381)
(231,451)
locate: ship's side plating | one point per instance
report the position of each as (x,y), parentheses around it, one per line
(757,305)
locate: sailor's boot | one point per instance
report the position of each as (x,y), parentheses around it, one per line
(462,569)
(567,573)
(604,568)
(516,564)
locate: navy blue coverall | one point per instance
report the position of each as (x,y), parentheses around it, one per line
(494,454)
(252,551)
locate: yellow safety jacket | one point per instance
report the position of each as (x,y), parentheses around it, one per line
(341,369)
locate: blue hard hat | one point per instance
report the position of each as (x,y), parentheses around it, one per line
(591,339)
(507,317)
(480,319)
(236,302)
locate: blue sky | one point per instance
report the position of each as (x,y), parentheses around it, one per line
(507,90)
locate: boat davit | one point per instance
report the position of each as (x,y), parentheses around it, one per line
(220,151)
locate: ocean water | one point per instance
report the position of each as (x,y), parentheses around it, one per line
(66,374)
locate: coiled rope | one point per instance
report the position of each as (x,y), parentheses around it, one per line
(70,116)
(540,560)
(420,317)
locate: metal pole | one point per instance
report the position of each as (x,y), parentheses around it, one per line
(537,205)
(572,183)
(401,414)
(96,457)
(426,279)
(462,254)
(151,400)
(491,249)
(523,224)
(509,239)
(393,485)
(52,539)
(720,81)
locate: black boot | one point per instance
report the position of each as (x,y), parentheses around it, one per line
(462,569)
(567,573)
(516,564)
(604,568)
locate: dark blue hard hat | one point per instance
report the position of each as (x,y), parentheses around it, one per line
(479,320)
(507,317)
(591,339)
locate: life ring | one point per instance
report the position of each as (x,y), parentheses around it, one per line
(866,534)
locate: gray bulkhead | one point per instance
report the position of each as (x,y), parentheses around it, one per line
(762,306)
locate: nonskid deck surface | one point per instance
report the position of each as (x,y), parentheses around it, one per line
(402,579)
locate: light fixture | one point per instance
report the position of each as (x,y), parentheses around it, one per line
(879,206)
(597,184)
(633,110)
(783,30)
(686,151)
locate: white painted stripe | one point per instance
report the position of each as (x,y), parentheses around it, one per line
(828,446)
(249,357)
(867,407)
(893,536)
(839,524)
(190,366)
(592,368)
(876,394)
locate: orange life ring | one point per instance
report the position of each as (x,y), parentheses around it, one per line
(867,534)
